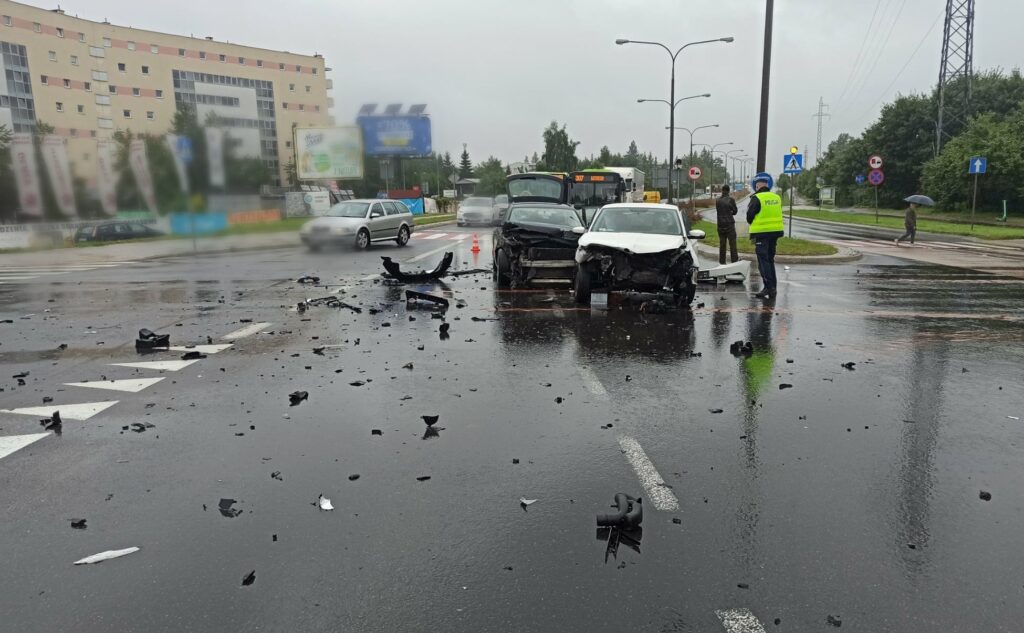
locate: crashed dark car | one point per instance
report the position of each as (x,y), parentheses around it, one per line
(536,244)
(639,248)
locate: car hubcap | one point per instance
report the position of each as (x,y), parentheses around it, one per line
(363,240)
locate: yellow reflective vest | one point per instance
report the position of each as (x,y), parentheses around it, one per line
(769,218)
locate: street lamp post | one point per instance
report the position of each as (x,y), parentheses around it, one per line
(725,163)
(712,179)
(672,107)
(672,91)
(693,183)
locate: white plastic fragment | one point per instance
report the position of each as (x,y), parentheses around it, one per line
(108,555)
(527,502)
(325,503)
(1013,417)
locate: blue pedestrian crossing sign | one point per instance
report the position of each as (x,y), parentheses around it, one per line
(792,163)
(977,165)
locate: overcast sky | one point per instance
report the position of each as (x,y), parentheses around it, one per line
(496,72)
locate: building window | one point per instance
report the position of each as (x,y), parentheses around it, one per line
(7,20)
(37,27)
(74,132)
(67,83)
(222,57)
(126,113)
(288,144)
(107,43)
(102,100)
(131,46)
(88,87)
(150,115)
(113,90)
(92,133)
(122,67)
(159,94)
(145,70)
(181,52)
(60,32)
(74,60)
(99,75)
(60,107)
(53,56)
(202,54)
(280,66)
(259,63)
(285,105)
(317,108)
(153,48)
(307,88)
(136,92)
(43,79)
(314,70)
(104,123)
(81,37)
(291,87)
(241,60)
(302,107)
(81,109)
(298,68)
(96,51)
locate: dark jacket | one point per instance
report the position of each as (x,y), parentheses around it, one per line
(726,208)
(753,208)
(910,219)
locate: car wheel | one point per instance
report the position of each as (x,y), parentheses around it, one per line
(313,247)
(363,239)
(403,236)
(502,269)
(581,285)
(689,291)
(460,224)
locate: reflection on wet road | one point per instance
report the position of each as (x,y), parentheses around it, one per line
(785,483)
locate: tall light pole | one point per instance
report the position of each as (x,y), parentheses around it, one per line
(693,183)
(766,69)
(672,91)
(672,107)
(712,179)
(725,163)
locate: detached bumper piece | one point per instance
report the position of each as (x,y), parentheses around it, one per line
(149,341)
(394,270)
(629,515)
(415,299)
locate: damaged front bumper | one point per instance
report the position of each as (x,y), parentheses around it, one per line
(539,258)
(618,270)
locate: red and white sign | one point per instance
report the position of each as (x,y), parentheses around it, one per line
(106,178)
(875,162)
(26,174)
(139,163)
(695,172)
(55,158)
(876,177)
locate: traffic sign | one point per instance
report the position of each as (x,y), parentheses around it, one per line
(875,162)
(695,172)
(762,176)
(860,179)
(793,164)
(876,177)
(977,165)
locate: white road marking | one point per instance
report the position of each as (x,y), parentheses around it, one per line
(160,365)
(372,277)
(81,411)
(17,277)
(739,621)
(13,443)
(657,491)
(202,349)
(433,236)
(591,381)
(131,385)
(793,283)
(248,330)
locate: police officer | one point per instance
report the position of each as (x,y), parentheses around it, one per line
(764,214)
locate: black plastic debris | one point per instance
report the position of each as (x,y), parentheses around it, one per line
(985,495)
(47,399)
(471,271)
(276,475)
(245,320)
(743,585)
(356,383)
(193,355)
(139,427)
(227,509)
(482,319)
(515,460)
(430,420)
(715,410)
(785,386)
(376,432)
(850,365)
(415,299)
(739,348)
(308,279)
(149,340)
(629,514)
(249,578)
(834,620)
(78,524)
(23,374)
(296,397)
(444,330)
(53,423)
(319,351)
(407,366)
(423,478)
(394,270)
(62,346)
(330,302)
(353,477)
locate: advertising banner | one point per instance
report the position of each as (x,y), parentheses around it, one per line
(106,178)
(328,153)
(396,135)
(26,174)
(215,156)
(140,169)
(55,158)
(175,145)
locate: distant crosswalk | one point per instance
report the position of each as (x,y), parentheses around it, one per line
(970,247)
(439,235)
(21,274)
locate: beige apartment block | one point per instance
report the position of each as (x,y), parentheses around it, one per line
(89,79)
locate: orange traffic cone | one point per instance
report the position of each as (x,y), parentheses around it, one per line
(476,244)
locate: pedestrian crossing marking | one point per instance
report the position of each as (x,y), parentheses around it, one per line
(132,385)
(159,365)
(27,273)
(12,443)
(81,411)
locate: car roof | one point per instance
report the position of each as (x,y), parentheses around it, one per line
(640,205)
(542,205)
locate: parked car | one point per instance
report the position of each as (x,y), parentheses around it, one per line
(475,210)
(501,205)
(359,222)
(536,244)
(113,231)
(638,247)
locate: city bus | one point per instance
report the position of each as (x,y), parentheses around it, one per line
(591,189)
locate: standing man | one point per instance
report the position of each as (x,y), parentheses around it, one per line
(910,224)
(726,208)
(764,214)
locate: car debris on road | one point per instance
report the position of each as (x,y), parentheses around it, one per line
(394,270)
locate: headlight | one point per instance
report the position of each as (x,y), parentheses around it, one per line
(341,230)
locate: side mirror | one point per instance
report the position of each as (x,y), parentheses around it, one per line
(375,214)
(696,234)
(579,230)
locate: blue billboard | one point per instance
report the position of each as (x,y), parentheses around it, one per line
(396,135)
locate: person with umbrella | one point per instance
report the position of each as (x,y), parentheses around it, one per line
(910,218)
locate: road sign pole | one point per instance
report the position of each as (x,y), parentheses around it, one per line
(974,203)
(876,204)
(792,188)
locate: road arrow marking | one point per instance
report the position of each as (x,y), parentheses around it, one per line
(248,330)
(131,385)
(161,365)
(82,411)
(202,349)
(13,443)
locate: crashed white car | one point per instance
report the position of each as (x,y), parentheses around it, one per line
(634,247)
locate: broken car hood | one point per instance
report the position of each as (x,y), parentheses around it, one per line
(634,243)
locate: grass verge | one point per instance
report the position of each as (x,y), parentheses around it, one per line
(923,224)
(786,245)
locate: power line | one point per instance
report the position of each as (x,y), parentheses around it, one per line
(885,43)
(864,41)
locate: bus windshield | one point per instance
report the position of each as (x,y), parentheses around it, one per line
(594,194)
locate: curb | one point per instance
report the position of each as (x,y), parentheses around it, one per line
(842,256)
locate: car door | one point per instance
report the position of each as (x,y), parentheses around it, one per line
(377,221)
(395,210)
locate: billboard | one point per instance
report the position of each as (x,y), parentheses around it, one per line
(328,153)
(396,135)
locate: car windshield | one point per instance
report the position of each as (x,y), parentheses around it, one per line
(349,210)
(501,200)
(594,194)
(535,188)
(637,220)
(565,218)
(477,202)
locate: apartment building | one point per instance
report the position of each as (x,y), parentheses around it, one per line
(89,79)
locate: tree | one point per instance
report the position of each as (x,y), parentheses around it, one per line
(604,157)
(492,177)
(465,165)
(632,157)
(559,149)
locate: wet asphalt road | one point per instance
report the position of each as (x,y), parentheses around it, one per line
(852,495)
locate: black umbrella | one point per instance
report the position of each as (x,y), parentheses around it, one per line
(919,199)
